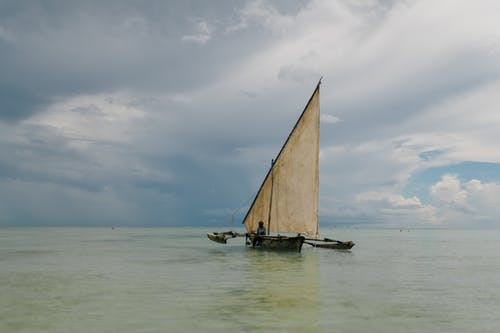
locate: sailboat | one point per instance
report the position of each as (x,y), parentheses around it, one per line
(287,200)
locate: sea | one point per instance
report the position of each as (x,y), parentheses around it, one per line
(177,280)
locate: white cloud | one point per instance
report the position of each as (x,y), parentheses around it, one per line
(453,204)
(263,13)
(484,197)
(203,34)
(365,182)
(101,117)
(466,124)
(395,210)
(330,119)
(472,203)
(94,141)
(448,191)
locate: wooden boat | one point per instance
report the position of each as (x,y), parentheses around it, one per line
(287,200)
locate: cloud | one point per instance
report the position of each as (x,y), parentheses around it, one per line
(57,204)
(330,119)
(396,210)
(115,99)
(80,147)
(262,13)
(6,35)
(453,204)
(472,203)
(448,191)
(469,119)
(202,36)
(103,47)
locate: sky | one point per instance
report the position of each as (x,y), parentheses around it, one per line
(168,113)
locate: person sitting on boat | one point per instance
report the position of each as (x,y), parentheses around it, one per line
(261,230)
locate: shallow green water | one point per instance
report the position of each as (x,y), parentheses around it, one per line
(176,280)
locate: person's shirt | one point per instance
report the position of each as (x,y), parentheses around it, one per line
(261,231)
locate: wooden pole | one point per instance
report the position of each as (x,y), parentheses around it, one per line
(270,199)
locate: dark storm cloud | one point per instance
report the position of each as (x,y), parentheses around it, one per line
(58,48)
(17,103)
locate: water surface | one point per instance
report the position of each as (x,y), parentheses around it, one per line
(176,280)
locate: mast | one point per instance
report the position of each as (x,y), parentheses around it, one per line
(270,200)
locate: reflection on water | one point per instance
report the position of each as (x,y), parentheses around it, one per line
(277,292)
(284,281)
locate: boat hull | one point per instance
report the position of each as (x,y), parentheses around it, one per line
(276,243)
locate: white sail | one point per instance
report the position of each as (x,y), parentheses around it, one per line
(288,198)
